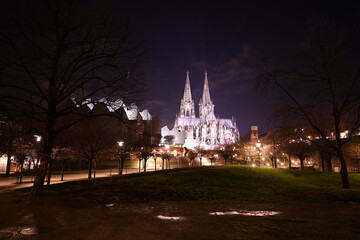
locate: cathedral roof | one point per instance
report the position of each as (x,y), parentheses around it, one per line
(182,122)
(227,122)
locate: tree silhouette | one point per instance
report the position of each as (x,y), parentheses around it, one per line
(66,53)
(324,80)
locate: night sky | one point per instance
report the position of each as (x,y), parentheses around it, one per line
(219,37)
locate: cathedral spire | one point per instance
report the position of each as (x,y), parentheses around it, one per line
(206,107)
(206,92)
(187,91)
(187,107)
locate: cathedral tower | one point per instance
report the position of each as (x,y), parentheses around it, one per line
(206,106)
(187,107)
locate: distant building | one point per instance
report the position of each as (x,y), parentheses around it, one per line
(135,127)
(205,131)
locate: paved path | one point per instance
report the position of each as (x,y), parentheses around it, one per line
(11,182)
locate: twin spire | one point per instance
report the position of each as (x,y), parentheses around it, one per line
(187,92)
(206,106)
(206,92)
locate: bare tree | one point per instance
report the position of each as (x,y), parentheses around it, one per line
(66,53)
(301,150)
(123,154)
(227,152)
(93,139)
(323,81)
(145,153)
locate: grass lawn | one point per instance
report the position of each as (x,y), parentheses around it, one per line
(310,205)
(229,184)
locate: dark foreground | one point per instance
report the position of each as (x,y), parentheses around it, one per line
(52,219)
(211,203)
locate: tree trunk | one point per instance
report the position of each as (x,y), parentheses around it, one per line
(90,168)
(94,169)
(155,162)
(38,186)
(120,166)
(302,163)
(329,164)
(343,170)
(200,161)
(62,170)
(225,161)
(322,163)
(21,171)
(145,165)
(163,161)
(8,164)
(49,172)
(139,164)
(289,161)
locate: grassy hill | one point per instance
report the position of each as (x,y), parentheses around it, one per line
(216,185)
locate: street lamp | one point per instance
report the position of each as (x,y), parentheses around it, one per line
(38,140)
(121,157)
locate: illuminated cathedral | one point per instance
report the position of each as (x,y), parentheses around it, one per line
(205,131)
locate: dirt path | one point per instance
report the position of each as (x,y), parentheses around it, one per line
(49,218)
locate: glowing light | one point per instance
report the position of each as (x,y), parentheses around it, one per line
(169,218)
(167,146)
(268,164)
(38,138)
(121,143)
(282,164)
(253,165)
(263,158)
(246,213)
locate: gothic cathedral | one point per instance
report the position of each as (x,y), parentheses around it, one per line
(205,131)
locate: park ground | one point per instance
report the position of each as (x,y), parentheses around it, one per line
(195,203)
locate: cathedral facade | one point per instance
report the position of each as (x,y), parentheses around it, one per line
(204,131)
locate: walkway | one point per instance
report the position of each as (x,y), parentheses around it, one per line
(11,182)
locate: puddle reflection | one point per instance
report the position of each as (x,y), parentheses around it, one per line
(162,217)
(246,213)
(17,230)
(28,231)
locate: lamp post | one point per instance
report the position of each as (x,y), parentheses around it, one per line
(177,157)
(36,165)
(121,157)
(38,140)
(154,152)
